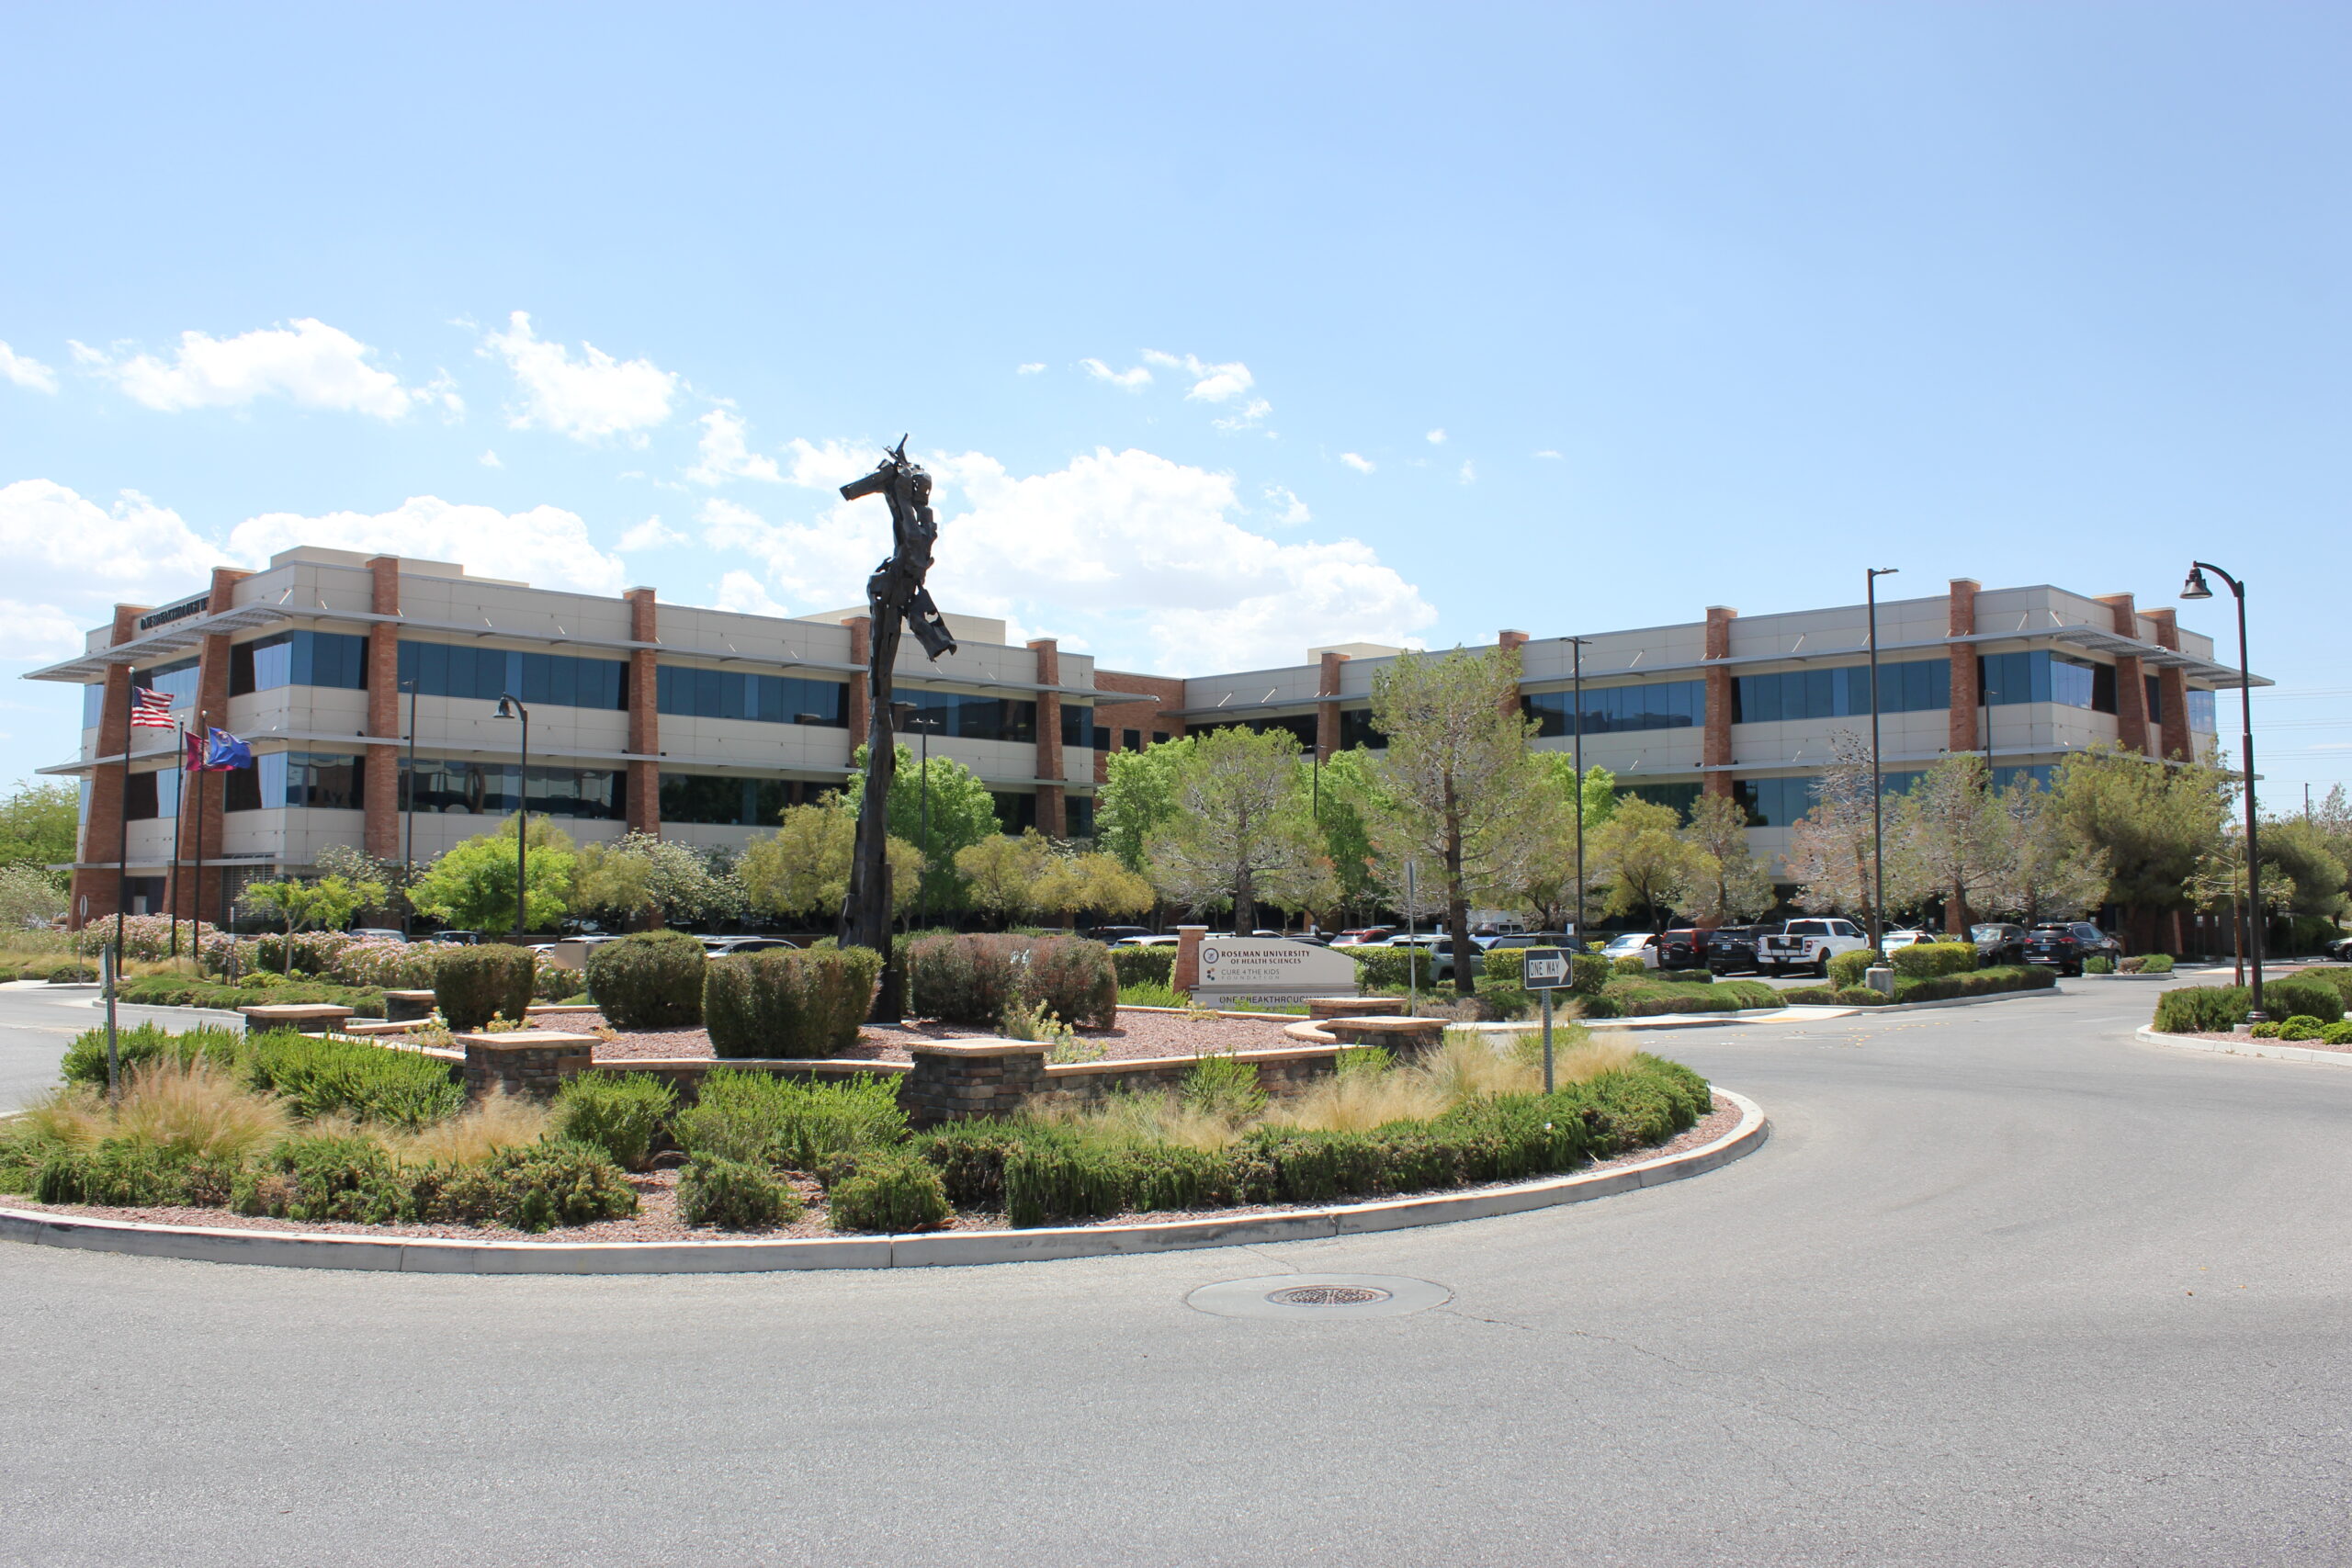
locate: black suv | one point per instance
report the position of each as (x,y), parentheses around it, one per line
(1998,941)
(1731,950)
(2066,943)
(1684,948)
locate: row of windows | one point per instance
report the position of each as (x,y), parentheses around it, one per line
(1614,710)
(492,789)
(298,659)
(960,715)
(693,693)
(1079,729)
(2041,676)
(1779,801)
(1840,692)
(485,674)
(715,800)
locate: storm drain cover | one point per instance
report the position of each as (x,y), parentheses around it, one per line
(1324,1296)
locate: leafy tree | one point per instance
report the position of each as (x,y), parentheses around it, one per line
(39,824)
(1340,799)
(1832,848)
(472,887)
(1138,796)
(356,866)
(2151,820)
(1641,852)
(2220,882)
(640,876)
(1458,792)
(1002,873)
(2046,873)
(1089,881)
(803,867)
(1722,881)
(1951,836)
(1240,828)
(300,905)
(29,896)
(2299,852)
(962,813)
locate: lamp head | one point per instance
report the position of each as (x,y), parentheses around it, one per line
(2195,587)
(506,706)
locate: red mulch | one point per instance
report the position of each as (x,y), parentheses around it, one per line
(1137,1037)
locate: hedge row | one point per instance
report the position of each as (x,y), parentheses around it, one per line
(1974,983)
(314,1075)
(2217,1010)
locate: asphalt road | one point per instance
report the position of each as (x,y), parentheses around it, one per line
(2005,1287)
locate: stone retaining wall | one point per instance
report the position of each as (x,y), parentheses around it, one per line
(953,1081)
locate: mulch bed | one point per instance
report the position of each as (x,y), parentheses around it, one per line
(1136,1037)
(657,1216)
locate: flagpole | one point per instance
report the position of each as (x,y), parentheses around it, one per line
(122,842)
(198,902)
(179,825)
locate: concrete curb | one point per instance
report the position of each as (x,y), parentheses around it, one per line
(205,1244)
(2275,1050)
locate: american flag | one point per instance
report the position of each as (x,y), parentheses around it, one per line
(151,709)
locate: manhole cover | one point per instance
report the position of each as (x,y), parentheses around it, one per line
(1324,1297)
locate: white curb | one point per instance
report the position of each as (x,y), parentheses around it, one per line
(208,1243)
(2275,1050)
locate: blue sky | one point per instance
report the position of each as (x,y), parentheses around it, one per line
(1226,330)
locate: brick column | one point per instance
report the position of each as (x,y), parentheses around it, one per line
(644,713)
(1717,745)
(861,648)
(1327,710)
(2172,694)
(102,835)
(381,837)
(1960,621)
(212,708)
(1052,821)
(1187,972)
(1510,642)
(956,1080)
(2131,677)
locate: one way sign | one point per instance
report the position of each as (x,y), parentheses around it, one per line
(1545,969)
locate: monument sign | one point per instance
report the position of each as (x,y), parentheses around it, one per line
(1270,969)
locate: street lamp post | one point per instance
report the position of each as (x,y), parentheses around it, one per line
(1576,705)
(1878,791)
(511,707)
(408,840)
(2195,587)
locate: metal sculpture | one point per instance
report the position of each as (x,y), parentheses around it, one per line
(895,594)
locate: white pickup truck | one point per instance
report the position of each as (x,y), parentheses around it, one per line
(1807,944)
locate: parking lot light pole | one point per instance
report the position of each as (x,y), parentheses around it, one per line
(1878,791)
(2197,588)
(511,707)
(1575,677)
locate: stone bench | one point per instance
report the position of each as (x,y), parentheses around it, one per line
(407,1007)
(1354,1007)
(523,1061)
(1410,1035)
(303,1018)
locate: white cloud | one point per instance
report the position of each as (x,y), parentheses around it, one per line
(589,399)
(1248,415)
(818,564)
(724,456)
(1133,380)
(1547,452)
(312,363)
(1035,367)
(490,460)
(1211,383)
(546,547)
(652,535)
(26,371)
(832,463)
(1293,511)
(742,592)
(70,559)
(1469,473)
(1437,437)
(1360,464)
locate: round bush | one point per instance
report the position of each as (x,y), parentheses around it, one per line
(618,1114)
(789,1003)
(734,1196)
(474,985)
(2301,1028)
(893,1192)
(1846,969)
(651,980)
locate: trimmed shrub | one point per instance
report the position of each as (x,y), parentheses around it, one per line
(758,1119)
(1391,968)
(784,1003)
(971,980)
(890,1192)
(532,1186)
(2100,966)
(733,1196)
(323,1177)
(2303,994)
(1502,984)
(1073,979)
(1589,973)
(181,990)
(1631,963)
(317,1077)
(86,1059)
(618,1114)
(1859,996)
(2201,1010)
(1644,998)
(651,980)
(1810,995)
(123,1173)
(2156,963)
(1144,965)
(1846,968)
(2340,980)
(473,985)
(1929,960)
(2335,1034)
(71,975)
(2302,1027)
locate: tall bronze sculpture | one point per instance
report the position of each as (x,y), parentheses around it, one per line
(895,593)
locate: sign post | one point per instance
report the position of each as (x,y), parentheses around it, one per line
(1544,970)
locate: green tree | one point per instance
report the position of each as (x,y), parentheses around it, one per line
(2046,873)
(1641,852)
(2298,852)
(29,896)
(802,868)
(1092,881)
(1138,796)
(962,813)
(640,876)
(301,905)
(38,824)
(1458,792)
(1241,828)
(1003,873)
(2152,821)
(472,887)
(1833,847)
(1340,799)
(1951,836)
(1722,881)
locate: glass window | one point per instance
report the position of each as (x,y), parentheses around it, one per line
(485,674)
(180,678)
(2041,676)
(2155,700)
(712,799)
(1080,811)
(1356,730)
(1653,704)
(93,705)
(2200,711)
(138,803)
(1776,803)
(1681,797)
(1300,726)
(1911,686)
(490,789)
(1015,813)
(692,691)
(323,781)
(1135,741)
(1078,724)
(968,717)
(298,659)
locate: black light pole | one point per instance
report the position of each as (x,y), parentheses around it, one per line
(510,707)
(922,814)
(2195,587)
(408,843)
(1878,792)
(1576,674)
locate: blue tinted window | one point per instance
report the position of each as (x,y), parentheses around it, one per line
(1607,710)
(93,705)
(711,799)
(691,691)
(1680,798)
(971,717)
(2200,712)
(298,659)
(180,679)
(485,674)
(1356,730)
(1776,803)
(1299,727)
(1841,692)
(2041,676)
(488,789)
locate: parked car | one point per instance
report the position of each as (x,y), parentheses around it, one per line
(1889,941)
(464,939)
(377,933)
(728,946)
(1442,950)
(1364,936)
(1807,944)
(2066,943)
(1147,942)
(1684,948)
(1536,939)
(1633,944)
(1117,933)
(2340,949)
(1998,941)
(1731,950)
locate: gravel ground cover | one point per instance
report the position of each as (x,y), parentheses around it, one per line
(1137,1037)
(657,1216)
